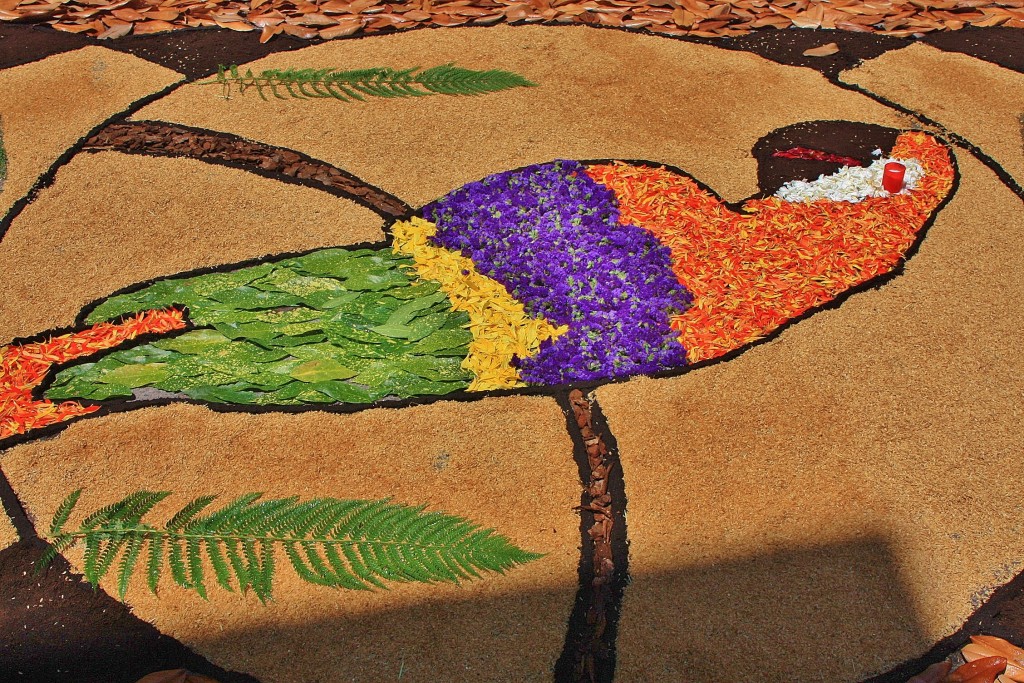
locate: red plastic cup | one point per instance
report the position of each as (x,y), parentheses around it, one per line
(892,177)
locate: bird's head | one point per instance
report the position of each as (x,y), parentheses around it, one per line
(843,161)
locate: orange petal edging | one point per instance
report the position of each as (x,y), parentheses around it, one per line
(23,367)
(751,272)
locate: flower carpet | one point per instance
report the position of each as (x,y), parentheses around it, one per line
(680,350)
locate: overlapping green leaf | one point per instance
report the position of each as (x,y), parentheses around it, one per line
(331,326)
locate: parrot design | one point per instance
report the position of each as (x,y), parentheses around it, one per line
(557,273)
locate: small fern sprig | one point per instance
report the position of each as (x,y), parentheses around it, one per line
(359,84)
(354,544)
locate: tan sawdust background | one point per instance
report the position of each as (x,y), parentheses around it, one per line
(85,238)
(505,463)
(39,123)
(979,100)
(832,502)
(602,94)
(8,534)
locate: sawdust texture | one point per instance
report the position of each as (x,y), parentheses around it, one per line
(8,534)
(505,463)
(38,124)
(834,501)
(978,100)
(694,106)
(85,237)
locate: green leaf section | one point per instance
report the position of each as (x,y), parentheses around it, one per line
(335,325)
(358,84)
(352,544)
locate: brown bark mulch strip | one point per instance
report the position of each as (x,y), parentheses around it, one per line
(329,19)
(160,139)
(57,628)
(589,652)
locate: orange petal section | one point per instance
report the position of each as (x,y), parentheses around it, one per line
(751,272)
(23,367)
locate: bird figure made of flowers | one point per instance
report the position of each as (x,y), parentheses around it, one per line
(560,273)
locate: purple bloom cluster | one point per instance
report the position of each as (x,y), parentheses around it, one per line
(552,237)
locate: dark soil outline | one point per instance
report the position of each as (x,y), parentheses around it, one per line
(381,202)
(961,142)
(787,49)
(127,649)
(581,641)
(46,179)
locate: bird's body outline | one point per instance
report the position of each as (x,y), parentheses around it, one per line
(741,209)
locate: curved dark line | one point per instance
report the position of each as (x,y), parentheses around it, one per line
(15,510)
(982,620)
(151,139)
(46,179)
(1009,181)
(730,43)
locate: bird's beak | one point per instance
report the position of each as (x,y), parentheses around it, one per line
(816,155)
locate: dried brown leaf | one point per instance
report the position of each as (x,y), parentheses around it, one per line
(241,26)
(264,20)
(128,14)
(344,28)
(73,28)
(163,14)
(269,32)
(823,51)
(303,32)
(313,20)
(156,26)
(493,19)
(116,31)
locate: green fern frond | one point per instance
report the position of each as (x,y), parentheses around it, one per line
(351,544)
(357,84)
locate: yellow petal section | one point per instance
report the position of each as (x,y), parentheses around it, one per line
(500,326)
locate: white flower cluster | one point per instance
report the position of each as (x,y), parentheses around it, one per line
(850,183)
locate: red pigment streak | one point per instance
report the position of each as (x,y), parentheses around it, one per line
(816,155)
(23,367)
(750,272)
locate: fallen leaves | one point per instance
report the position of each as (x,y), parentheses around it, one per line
(985,647)
(337,18)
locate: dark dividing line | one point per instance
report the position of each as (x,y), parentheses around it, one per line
(15,510)
(589,652)
(982,620)
(47,178)
(1004,177)
(155,138)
